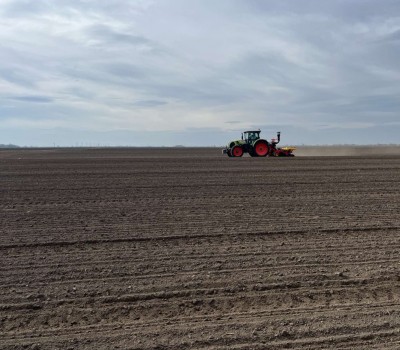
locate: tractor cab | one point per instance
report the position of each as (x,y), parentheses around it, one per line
(251,136)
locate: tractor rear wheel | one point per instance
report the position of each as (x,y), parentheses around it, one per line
(261,148)
(237,151)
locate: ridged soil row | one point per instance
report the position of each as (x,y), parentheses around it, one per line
(179,252)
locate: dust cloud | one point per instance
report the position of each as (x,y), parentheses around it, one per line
(336,151)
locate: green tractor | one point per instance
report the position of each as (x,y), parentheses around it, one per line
(252,144)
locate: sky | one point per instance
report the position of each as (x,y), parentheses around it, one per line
(198,72)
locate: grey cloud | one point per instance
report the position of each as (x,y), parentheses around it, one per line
(113,75)
(206,93)
(23,8)
(383,103)
(29,8)
(355,10)
(17,76)
(124,70)
(108,35)
(393,37)
(269,68)
(149,103)
(33,99)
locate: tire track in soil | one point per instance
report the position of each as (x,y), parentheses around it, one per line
(198,252)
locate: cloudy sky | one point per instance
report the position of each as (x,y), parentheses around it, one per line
(197,72)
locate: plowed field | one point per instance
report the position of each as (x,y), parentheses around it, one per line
(185,248)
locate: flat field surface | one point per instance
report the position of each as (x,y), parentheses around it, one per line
(188,249)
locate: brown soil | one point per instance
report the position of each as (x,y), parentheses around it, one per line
(367,151)
(189,249)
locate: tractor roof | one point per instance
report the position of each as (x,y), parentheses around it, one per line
(252,131)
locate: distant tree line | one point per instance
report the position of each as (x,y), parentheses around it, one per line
(8,146)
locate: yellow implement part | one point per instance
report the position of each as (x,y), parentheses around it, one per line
(288,148)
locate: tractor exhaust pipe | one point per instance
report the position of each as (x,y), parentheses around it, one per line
(278,137)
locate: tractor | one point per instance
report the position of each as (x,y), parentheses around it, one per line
(252,144)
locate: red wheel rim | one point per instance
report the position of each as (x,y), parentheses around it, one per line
(237,151)
(261,149)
